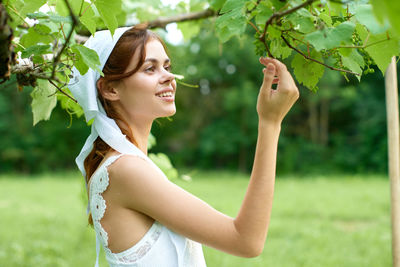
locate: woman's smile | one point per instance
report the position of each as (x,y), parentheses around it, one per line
(167,95)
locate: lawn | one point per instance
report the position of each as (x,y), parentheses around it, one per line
(316,221)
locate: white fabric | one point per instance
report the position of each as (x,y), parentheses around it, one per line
(84,90)
(158,247)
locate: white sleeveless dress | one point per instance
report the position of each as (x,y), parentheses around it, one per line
(159,247)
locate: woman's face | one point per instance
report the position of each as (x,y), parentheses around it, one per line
(150,92)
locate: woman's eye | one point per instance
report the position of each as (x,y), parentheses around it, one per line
(168,68)
(150,69)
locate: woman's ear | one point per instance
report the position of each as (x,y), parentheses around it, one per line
(106,90)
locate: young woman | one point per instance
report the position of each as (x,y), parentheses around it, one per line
(139,216)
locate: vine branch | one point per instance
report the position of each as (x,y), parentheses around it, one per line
(163,22)
(316,61)
(278,15)
(61,91)
(58,56)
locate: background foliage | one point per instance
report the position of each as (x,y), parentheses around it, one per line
(341,128)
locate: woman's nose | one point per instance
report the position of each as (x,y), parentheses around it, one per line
(167,76)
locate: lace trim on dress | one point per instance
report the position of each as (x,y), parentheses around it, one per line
(98,184)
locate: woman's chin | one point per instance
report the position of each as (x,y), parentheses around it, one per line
(169,113)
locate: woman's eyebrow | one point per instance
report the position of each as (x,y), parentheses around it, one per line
(156,61)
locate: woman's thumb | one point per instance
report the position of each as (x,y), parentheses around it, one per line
(269,74)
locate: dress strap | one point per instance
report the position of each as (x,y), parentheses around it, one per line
(97,251)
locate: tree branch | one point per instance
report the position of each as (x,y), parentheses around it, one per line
(312,59)
(278,15)
(64,93)
(56,59)
(163,22)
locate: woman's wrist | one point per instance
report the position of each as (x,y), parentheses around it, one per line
(269,124)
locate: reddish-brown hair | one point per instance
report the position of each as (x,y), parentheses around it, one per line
(132,41)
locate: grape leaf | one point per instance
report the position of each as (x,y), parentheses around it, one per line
(379,47)
(306,71)
(43,101)
(189,29)
(36,35)
(388,10)
(324,16)
(70,106)
(35,50)
(364,15)
(31,6)
(279,49)
(108,12)
(62,9)
(352,61)
(88,57)
(233,20)
(263,13)
(302,20)
(329,38)
(88,18)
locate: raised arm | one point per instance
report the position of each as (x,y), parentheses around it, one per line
(136,185)
(272,106)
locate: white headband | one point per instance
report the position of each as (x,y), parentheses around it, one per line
(83,87)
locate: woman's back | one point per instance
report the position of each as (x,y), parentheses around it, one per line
(130,237)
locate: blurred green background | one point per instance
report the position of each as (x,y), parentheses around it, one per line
(331,205)
(341,128)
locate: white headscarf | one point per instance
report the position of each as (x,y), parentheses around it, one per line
(83,87)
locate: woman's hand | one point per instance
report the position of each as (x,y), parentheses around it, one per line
(273,105)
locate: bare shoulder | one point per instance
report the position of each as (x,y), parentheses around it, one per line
(132,177)
(131,167)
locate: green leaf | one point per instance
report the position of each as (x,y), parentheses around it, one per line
(353,61)
(364,15)
(37,15)
(189,29)
(279,49)
(43,101)
(306,71)
(70,106)
(332,37)
(151,141)
(263,13)
(62,9)
(217,4)
(233,21)
(88,18)
(388,10)
(31,6)
(163,162)
(87,57)
(379,47)
(49,17)
(35,50)
(36,35)
(302,20)
(108,12)
(326,18)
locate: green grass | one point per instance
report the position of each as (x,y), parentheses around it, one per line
(316,221)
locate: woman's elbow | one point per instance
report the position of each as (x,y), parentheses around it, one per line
(252,250)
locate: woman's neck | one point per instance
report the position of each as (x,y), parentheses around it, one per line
(141,132)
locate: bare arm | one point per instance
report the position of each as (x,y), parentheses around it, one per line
(254,216)
(137,185)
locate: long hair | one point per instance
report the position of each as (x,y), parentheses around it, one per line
(115,69)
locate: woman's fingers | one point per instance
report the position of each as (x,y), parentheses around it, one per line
(269,76)
(285,78)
